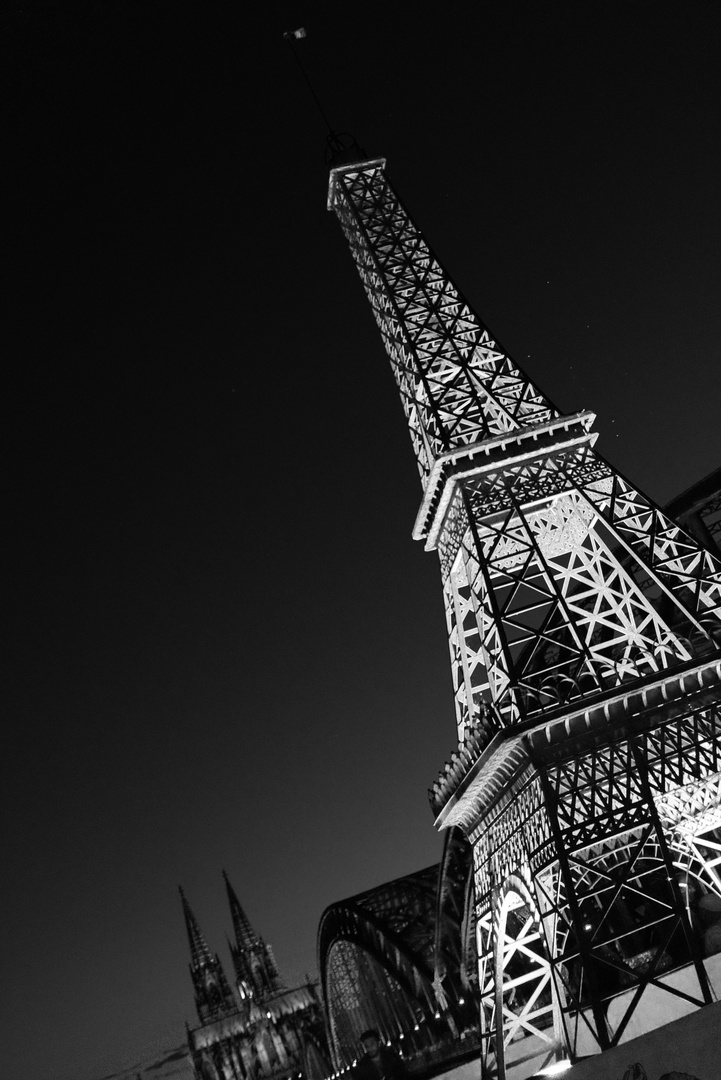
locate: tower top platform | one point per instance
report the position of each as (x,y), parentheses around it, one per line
(354,166)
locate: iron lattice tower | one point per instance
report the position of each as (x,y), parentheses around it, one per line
(213,996)
(584,630)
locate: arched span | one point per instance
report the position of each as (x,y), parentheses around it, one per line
(454,913)
(455,962)
(376,964)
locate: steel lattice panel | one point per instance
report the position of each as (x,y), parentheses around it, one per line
(584,628)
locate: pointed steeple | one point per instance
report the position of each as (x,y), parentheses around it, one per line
(255,967)
(245,938)
(213,996)
(199,952)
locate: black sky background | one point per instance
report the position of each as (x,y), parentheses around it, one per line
(223,648)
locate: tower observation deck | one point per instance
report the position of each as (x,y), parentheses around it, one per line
(584,630)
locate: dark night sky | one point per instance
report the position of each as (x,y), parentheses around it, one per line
(223,647)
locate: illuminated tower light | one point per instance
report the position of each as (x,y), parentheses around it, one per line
(584,629)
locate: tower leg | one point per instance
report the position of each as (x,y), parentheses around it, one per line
(615,918)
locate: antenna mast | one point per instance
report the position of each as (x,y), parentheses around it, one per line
(342,148)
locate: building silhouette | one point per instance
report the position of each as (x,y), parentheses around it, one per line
(262,1030)
(585,631)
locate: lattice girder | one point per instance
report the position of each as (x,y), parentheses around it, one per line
(524,991)
(690,571)
(456,385)
(631,930)
(485,947)
(620,590)
(363,989)
(605,892)
(551,603)
(393,926)
(584,632)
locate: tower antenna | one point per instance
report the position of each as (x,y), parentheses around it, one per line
(341,146)
(291,36)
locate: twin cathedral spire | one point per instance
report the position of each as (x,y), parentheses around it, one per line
(256,972)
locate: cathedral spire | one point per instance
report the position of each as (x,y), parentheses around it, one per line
(245,938)
(199,952)
(213,996)
(255,967)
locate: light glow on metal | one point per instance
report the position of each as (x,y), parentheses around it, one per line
(584,629)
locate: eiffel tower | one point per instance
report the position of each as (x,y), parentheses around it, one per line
(584,629)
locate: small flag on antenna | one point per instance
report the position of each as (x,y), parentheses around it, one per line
(295,35)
